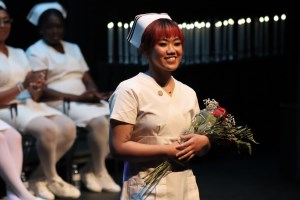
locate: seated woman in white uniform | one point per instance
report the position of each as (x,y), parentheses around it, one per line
(11,152)
(68,78)
(54,132)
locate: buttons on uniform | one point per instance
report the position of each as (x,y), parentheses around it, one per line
(160,93)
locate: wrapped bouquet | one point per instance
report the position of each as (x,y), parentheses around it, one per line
(219,126)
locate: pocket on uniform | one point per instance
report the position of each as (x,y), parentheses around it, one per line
(134,188)
(137,190)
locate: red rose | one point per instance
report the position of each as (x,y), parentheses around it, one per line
(220,112)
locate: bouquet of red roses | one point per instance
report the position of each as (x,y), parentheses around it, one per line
(219,126)
(214,122)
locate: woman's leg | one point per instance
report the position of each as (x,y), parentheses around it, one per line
(11,165)
(54,138)
(98,143)
(46,135)
(64,131)
(67,134)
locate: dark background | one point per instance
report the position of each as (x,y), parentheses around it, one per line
(260,92)
(87,21)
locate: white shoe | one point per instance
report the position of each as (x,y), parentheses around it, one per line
(90,182)
(40,189)
(38,198)
(107,183)
(11,196)
(62,189)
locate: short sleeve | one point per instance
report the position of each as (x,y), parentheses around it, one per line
(123,105)
(36,58)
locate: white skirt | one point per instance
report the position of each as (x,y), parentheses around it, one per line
(25,113)
(82,113)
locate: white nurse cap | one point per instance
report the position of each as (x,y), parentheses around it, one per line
(2,4)
(140,24)
(37,10)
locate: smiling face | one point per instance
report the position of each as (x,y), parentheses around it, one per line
(162,44)
(166,54)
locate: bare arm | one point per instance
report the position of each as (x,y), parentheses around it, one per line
(8,95)
(91,95)
(91,86)
(31,81)
(89,82)
(123,148)
(49,94)
(53,95)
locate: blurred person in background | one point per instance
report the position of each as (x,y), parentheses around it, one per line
(69,80)
(54,132)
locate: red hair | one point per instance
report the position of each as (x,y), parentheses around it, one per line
(160,28)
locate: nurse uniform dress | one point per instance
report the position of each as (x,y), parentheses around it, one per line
(65,72)
(158,119)
(14,69)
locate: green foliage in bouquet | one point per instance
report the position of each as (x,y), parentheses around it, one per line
(219,126)
(214,122)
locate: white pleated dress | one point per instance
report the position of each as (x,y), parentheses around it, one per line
(158,119)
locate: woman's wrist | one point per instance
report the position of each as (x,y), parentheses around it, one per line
(20,86)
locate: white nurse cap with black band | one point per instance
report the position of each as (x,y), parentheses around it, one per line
(140,24)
